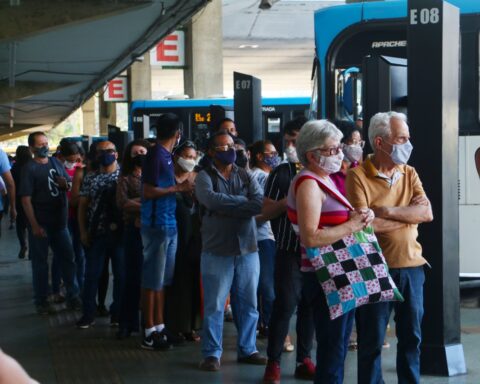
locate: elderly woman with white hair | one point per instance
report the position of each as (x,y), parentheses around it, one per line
(321,216)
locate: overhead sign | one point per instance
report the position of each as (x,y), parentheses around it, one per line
(170,52)
(116,90)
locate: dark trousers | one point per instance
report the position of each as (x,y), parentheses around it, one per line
(21,227)
(130,307)
(332,335)
(372,322)
(289,295)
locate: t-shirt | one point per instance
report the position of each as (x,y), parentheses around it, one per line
(4,163)
(158,171)
(48,201)
(277,186)
(100,188)
(367,187)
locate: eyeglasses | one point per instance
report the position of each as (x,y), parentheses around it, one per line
(224,148)
(270,154)
(329,151)
(110,151)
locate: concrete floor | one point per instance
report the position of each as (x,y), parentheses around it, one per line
(52,350)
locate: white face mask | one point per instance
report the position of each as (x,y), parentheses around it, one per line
(186,164)
(69,165)
(330,164)
(353,153)
(291,154)
(401,153)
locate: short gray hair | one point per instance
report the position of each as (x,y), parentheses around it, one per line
(380,125)
(313,135)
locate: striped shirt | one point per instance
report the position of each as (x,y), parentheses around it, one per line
(335,208)
(276,188)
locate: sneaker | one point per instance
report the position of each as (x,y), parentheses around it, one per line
(85,323)
(45,309)
(255,359)
(155,342)
(22,253)
(272,373)
(210,363)
(305,370)
(228,314)
(172,338)
(74,304)
(114,321)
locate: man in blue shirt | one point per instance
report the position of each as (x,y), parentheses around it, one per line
(229,262)
(159,230)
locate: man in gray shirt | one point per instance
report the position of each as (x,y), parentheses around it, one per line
(230,200)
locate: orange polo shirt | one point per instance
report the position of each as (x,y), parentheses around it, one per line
(367,187)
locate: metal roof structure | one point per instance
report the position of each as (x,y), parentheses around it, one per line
(55,55)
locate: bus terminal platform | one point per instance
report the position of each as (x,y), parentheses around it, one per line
(52,350)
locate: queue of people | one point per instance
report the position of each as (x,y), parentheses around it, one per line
(185,235)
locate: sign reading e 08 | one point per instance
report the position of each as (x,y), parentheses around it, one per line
(424,16)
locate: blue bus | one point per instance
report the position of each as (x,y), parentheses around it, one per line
(345,34)
(199,115)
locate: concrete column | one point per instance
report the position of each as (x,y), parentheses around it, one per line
(140,79)
(108,115)
(203,75)
(88,112)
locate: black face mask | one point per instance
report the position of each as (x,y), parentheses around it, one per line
(138,160)
(242,159)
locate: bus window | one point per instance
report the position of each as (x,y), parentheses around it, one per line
(348,89)
(313,111)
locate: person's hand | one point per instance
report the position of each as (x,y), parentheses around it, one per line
(419,200)
(369,215)
(38,231)
(62,183)
(186,186)
(13,214)
(357,220)
(85,239)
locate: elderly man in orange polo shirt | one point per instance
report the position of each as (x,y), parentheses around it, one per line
(393,190)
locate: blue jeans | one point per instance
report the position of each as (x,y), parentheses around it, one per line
(110,244)
(129,314)
(332,335)
(78,250)
(59,241)
(237,275)
(372,323)
(266,291)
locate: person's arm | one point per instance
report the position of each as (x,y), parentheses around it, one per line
(275,200)
(151,192)
(37,230)
(76,184)
(124,203)
(83,203)
(215,201)
(272,208)
(309,199)
(10,186)
(253,206)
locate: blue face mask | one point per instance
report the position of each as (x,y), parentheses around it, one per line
(42,152)
(227,157)
(273,162)
(106,159)
(401,153)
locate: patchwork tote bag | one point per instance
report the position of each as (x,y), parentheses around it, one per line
(352,271)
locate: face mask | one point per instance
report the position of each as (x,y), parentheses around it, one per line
(353,153)
(242,159)
(41,152)
(331,164)
(106,159)
(227,157)
(291,153)
(272,162)
(138,160)
(69,164)
(401,153)
(186,164)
